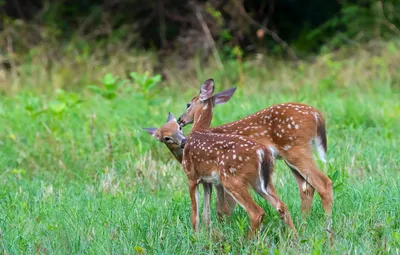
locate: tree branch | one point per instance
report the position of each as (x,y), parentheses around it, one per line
(269,32)
(207,32)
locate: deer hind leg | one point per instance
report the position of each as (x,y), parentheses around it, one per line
(303,162)
(306,192)
(230,202)
(271,196)
(244,199)
(306,167)
(225,202)
(207,187)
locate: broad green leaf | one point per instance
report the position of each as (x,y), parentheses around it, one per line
(57,107)
(135,76)
(111,86)
(108,79)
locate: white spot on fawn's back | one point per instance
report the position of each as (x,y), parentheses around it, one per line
(286,147)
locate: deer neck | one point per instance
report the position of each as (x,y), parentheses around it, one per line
(178,152)
(203,117)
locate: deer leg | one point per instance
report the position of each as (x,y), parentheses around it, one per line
(225,202)
(221,203)
(194,197)
(207,187)
(306,193)
(230,202)
(271,196)
(305,165)
(244,199)
(318,180)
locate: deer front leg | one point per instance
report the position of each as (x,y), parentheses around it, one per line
(207,187)
(194,197)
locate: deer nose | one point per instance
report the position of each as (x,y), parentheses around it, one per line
(183,142)
(180,122)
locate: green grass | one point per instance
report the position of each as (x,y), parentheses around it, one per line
(86,179)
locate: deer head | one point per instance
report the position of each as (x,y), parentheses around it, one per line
(203,100)
(171,135)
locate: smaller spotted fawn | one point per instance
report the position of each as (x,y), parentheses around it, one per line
(171,135)
(234,161)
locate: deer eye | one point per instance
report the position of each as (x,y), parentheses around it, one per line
(167,139)
(187,106)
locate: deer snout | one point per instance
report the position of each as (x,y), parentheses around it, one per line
(180,122)
(183,121)
(183,142)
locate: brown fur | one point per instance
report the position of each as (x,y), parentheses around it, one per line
(224,203)
(289,128)
(236,162)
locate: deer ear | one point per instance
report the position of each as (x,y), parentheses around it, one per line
(207,89)
(171,117)
(151,131)
(224,96)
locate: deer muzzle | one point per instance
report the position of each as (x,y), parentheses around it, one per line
(182,122)
(183,142)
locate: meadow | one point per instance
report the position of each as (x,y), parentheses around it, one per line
(79,175)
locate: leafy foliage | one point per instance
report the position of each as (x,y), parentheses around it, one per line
(111,86)
(143,85)
(173,26)
(375,19)
(63,102)
(146,85)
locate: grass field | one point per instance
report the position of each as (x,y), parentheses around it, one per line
(80,176)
